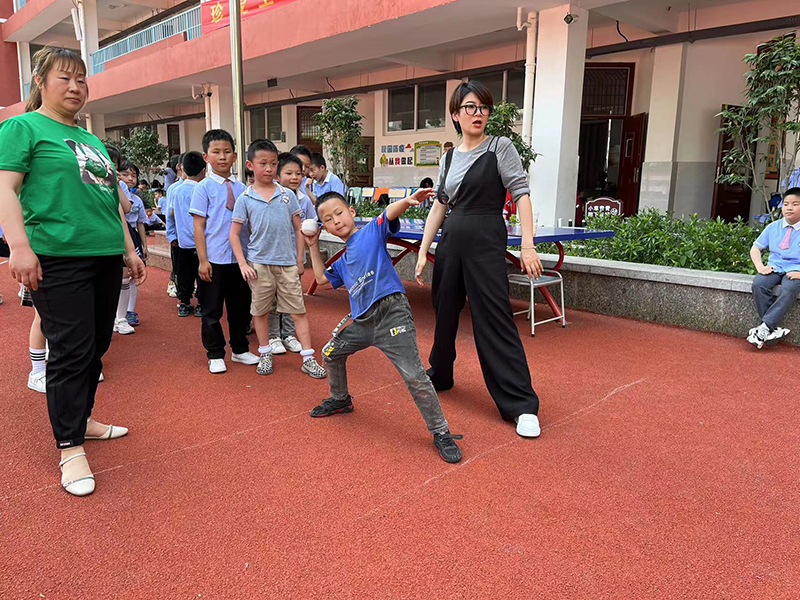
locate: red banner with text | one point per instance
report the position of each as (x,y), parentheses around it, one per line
(215,14)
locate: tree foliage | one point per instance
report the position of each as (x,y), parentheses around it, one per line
(501,123)
(340,134)
(770,114)
(144,150)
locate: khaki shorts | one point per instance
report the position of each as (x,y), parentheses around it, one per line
(283,282)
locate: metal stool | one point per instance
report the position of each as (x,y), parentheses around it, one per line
(547,278)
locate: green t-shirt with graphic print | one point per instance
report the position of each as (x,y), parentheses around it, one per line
(69,194)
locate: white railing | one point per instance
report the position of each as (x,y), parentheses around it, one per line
(187,22)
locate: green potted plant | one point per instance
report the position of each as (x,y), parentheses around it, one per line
(501,123)
(340,134)
(769,114)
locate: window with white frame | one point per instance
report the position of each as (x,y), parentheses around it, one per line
(417,107)
(266,124)
(508,86)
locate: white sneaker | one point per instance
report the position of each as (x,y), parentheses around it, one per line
(38,382)
(759,336)
(778,333)
(292,344)
(122,327)
(172,290)
(217,365)
(277,346)
(246,358)
(528,426)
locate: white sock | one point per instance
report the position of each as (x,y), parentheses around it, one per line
(265,349)
(124,296)
(307,354)
(133,297)
(38,364)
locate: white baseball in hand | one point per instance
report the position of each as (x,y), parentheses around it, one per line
(309,227)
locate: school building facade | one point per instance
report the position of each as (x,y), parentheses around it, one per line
(622,96)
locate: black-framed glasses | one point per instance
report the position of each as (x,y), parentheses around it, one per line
(472,109)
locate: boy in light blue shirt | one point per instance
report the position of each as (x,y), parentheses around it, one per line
(221,285)
(274,261)
(323,180)
(194,169)
(783,240)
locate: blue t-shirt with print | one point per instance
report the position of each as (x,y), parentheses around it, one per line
(366,268)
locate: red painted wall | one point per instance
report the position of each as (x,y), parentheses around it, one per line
(9,68)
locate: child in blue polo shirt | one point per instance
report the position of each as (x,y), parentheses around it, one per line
(274,261)
(379,309)
(221,285)
(783,240)
(194,169)
(323,180)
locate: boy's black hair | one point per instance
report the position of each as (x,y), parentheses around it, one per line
(795,191)
(114,155)
(301,150)
(217,135)
(126,165)
(158,190)
(318,160)
(426,183)
(144,181)
(329,196)
(173,161)
(248,173)
(193,163)
(285,158)
(259,146)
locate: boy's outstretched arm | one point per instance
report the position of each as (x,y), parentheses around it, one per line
(396,209)
(312,241)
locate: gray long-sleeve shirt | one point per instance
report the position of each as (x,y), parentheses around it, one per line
(509,164)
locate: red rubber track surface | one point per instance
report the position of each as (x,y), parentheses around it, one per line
(667,468)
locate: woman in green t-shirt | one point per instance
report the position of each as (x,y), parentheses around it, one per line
(60,213)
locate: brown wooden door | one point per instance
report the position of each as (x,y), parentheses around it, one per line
(730,201)
(307,127)
(361,173)
(630,164)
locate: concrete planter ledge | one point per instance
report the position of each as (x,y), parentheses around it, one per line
(704,300)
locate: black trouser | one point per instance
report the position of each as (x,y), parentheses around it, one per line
(227,289)
(77,300)
(470,262)
(188,264)
(173,254)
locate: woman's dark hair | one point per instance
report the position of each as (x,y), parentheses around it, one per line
(462,91)
(426,183)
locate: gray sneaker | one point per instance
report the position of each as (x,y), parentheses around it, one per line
(312,368)
(265,364)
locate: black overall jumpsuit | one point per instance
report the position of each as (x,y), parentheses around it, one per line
(471,262)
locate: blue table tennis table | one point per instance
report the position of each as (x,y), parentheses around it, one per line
(411,231)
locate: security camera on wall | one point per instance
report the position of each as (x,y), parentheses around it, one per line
(570,18)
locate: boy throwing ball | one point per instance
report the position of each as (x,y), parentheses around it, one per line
(381,315)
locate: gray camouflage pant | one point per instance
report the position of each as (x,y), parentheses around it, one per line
(389,326)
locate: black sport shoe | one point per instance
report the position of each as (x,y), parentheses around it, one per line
(331,407)
(198,311)
(184,310)
(448,449)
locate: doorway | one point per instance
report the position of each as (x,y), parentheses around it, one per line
(361,174)
(307,128)
(730,200)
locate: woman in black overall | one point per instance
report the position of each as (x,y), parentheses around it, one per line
(470,258)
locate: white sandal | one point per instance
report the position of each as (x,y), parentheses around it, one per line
(83,486)
(113,432)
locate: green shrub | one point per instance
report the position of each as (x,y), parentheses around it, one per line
(651,237)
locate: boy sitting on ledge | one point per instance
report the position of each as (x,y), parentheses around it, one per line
(783,239)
